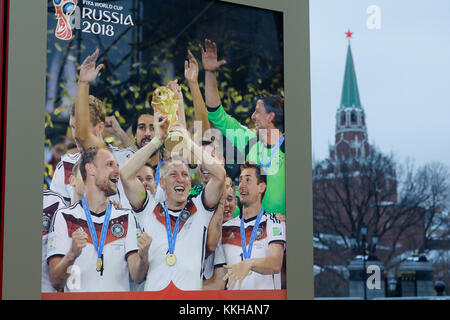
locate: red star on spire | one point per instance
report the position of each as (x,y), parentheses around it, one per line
(349,34)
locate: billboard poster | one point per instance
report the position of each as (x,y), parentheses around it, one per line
(164,172)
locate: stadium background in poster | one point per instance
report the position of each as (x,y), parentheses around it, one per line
(143,45)
(20,266)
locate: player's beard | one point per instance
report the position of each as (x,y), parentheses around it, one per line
(107,186)
(248,199)
(144,141)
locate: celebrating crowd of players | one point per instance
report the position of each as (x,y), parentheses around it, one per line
(122,219)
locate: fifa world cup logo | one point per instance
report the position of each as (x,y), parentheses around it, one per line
(63,10)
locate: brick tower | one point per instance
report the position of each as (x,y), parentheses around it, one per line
(351,131)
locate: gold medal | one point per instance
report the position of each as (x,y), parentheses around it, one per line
(249,272)
(171,259)
(99,264)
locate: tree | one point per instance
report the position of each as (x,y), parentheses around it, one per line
(400,208)
(436,176)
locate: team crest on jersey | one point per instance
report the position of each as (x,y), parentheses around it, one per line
(46,221)
(259,233)
(117,230)
(185,215)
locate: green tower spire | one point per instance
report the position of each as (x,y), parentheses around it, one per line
(350,93)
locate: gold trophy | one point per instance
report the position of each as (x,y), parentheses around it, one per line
(165,101)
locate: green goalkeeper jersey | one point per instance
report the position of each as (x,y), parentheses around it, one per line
(246,141)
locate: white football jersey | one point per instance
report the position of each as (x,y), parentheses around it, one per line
(270,230)
(214,260)
(186,273)
(52,202)
(61,177)
(121,241)
(160,195)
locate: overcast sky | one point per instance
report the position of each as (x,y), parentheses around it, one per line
(403,72)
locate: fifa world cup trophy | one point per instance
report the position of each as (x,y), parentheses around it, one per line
(165,101)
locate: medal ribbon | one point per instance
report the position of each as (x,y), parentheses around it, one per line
(248,252)
(157,174)
(97,245)
(272,154)
(172,237)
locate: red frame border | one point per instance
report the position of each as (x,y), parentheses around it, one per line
(172,293)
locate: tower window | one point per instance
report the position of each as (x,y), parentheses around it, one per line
(353,118)
(342,118)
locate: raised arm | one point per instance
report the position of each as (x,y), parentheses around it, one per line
(210,64)
(227,125)
(215,227)
(113,128)
(133,188)
(191,75)
(88,74)
(214,188)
